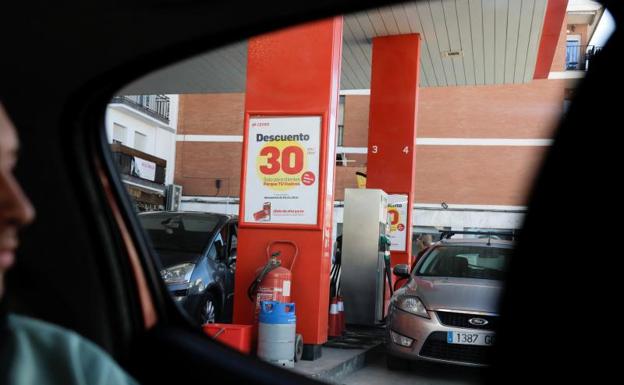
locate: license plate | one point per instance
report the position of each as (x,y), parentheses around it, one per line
(463,338)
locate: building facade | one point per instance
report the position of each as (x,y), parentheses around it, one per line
(142,132)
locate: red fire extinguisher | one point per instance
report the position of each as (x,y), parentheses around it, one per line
(273,282)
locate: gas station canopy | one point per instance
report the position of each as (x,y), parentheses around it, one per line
(466,42)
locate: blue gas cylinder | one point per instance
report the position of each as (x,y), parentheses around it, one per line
(277,332)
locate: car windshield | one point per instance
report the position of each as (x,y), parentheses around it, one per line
(481,262)
(180,233)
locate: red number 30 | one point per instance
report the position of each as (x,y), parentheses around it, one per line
(291,160)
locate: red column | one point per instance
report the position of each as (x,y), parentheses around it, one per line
(553,21)
(392,124)
(291,73)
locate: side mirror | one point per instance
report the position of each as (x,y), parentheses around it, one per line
(401,271)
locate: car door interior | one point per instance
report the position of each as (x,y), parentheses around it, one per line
(74,268)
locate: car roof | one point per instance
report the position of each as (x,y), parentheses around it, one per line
(477,242)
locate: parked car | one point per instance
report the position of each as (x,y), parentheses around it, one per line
(197,252)
(447,311)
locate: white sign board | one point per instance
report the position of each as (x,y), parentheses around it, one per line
(397,215)
(282,170)
(143,169)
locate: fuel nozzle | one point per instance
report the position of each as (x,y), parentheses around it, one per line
(384,242)
(384,245)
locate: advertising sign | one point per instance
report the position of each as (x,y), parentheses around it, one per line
(397,213)
(282,170)
(143,168)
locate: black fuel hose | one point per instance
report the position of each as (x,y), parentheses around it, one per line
(389,275)
(338,276)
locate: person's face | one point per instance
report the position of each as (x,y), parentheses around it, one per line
(15,209)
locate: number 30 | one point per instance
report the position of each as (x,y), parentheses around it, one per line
(291,160)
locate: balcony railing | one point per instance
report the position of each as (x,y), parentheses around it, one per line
(579,57)
(156,106)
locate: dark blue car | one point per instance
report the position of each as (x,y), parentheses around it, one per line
(197,253)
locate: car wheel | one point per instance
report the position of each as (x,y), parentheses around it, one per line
(396,363)
(209,310)
(298,347)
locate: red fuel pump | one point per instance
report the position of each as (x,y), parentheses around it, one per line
(273,282)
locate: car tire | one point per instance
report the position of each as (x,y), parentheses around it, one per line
(209,309)
(396,363)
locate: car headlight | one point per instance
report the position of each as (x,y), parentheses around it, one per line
(178,274)
(412,305)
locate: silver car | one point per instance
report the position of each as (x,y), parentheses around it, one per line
(447,311)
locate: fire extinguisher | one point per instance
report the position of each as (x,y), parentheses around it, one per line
(273,282)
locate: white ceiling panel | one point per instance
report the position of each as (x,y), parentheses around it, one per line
(452,27)
(435,13)
(390,22)
(511,49)
(494,41)
(524,35)
(489,34)
(539,11)
(465,34)
(476,31)
(500,40)
(379,29)
(430,60)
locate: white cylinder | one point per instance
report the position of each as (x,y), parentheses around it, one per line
(276,343)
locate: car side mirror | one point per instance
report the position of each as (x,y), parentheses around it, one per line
(401,270)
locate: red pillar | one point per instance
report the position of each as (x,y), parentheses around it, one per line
(293,73)
(553,22)
(392,128)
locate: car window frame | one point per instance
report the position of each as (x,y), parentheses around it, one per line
(426,256)
(133,226)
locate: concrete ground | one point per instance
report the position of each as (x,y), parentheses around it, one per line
(344,355)
(420,373)
(335,363)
